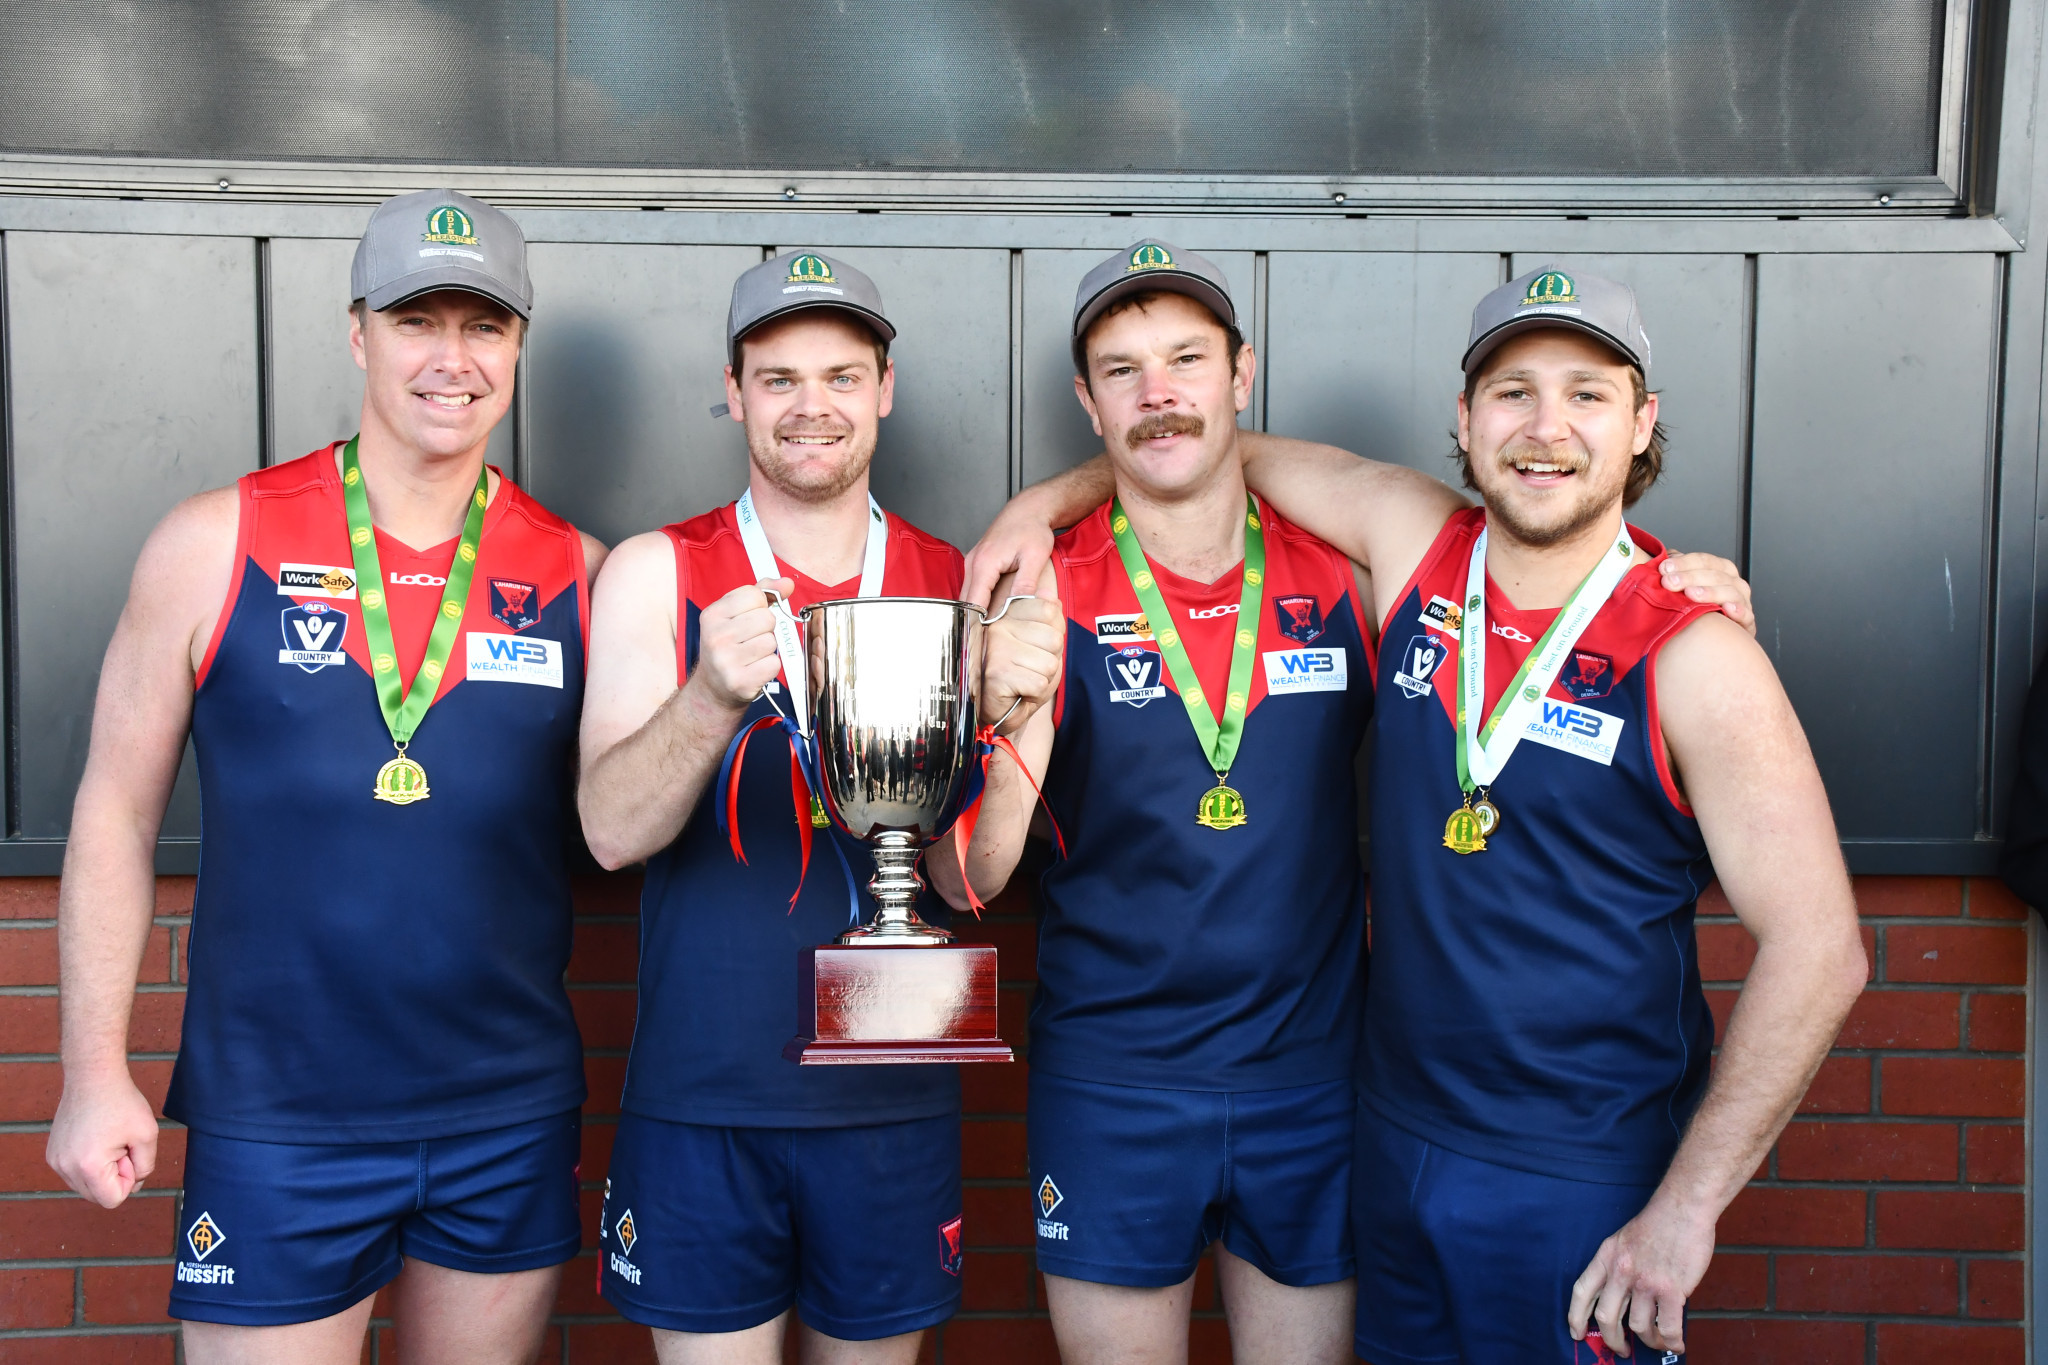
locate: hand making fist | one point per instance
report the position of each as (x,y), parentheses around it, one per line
(736,656)
(1021,666)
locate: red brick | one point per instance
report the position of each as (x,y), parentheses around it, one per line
(606,1077)
(1951,1220)
(1868,1151)
(1013,1015)
(156,1021)
(605,952)
(1998,1023)
(1764,1216)
(605,1018)
(23,1168)
(614,1343)
(606,893)
(1917,1343)
(1000,1341)
(1914,1019)
(995,1281)
(1868,1284)
(577,1295)
(28,1023)
(36,1298)
(998,1216)
(1997,1289)
(1209,1342)
(28,955)
(1772,1339)
(1885,896)
(1714,902)
(174,895)
(993,1149)
(156,956)
(1016,946)
(1968,954)
(1841,1086)
(995,1088)
(127,1293)
(1997,1154)
(29,1091)
(1726,950)
(588,1202)
(1990,898)
(1970,1087)
(66,1227)
(28,898)
(151,1349)
(1721,1004)
(595,1156)
(1734,1280)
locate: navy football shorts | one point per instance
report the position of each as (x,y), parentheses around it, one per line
(715,1229)
(1129,1185)
(274,1232)
(1461,1260)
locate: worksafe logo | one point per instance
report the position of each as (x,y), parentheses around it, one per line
(1552,286)
(204,1236)
(1150,256)
(627,1236)
(811,270)
(450,225)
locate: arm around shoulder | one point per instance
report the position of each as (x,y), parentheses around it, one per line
(1383,516)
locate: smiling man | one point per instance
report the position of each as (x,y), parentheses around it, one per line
(743,1186)
(379,1067)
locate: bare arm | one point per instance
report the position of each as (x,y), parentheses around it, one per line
(594,555)
(1020,539)
(1024,658)
(1743,758)
(103,1141)
(650,748)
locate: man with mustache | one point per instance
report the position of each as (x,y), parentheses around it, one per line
(741,1184)
(377,653)
(1542,1156)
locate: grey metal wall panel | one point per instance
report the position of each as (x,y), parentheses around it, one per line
(626,358)
(1695,309)
(317,389)
(1363,349)
(134,386)
(944,460)
(1057,434)
(1867,530)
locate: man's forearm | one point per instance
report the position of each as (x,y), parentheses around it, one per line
(1071,494)
(106,904)
(999,836)
(637,796)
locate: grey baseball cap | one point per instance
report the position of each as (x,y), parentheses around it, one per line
(440,239)
(802,279)
(1148,266)
(1549,297)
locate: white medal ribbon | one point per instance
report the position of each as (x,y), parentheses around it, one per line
(1546,660)
(789,642)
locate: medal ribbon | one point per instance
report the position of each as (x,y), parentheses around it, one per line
(1219,742)
(1483,753)
(789,645)
(404,711)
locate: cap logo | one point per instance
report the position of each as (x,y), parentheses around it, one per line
(810,270)
(1150,257)
(450,224)
(1552,286)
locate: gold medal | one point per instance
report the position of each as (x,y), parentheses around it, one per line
(1221,808)
(1464,832)
(401,782)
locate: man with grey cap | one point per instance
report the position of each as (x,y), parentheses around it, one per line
(742,1186)
(379,1067)
(1542,1154)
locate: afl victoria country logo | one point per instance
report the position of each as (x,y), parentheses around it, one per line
(1150,256)
(811,270)
(1552,286)
(450,224)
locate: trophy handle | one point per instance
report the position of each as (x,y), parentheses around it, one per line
(1008,602)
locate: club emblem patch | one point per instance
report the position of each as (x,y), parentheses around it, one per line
(950,1251)
(1134,675)
(513,602)
(204,1236)
(1590,676)
(1419,662)
(1299,618)
(313,632)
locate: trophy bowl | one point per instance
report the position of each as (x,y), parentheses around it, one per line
(894,689)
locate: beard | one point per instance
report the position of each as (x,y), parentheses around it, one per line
(812,482)
(1558,520)
(1164,424)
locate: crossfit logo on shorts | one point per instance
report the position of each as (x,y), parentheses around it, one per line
(950,1247)
(1050,1198)
(627,1234)
(315,580)
(313,632)
(205,1238)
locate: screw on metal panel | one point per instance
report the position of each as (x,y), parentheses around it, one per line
(1884,200)
(1337,198)
(222,183)
(789,191)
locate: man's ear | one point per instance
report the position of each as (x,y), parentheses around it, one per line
(1464,424)
(887,396)
(1087,397)
(1241,376)
(355,340)
(735,408)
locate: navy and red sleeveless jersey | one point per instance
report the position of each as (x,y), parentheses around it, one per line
(1175,956)
(1536,1004)
(364,972)
(719,942)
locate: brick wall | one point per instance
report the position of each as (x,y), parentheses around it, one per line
(1888,1225)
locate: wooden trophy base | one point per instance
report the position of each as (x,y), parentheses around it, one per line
(864,1004)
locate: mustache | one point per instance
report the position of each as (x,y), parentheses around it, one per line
(1164,424)
(812,429)
(1574,461)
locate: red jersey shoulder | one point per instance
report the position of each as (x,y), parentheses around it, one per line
(930,567)
(312,473)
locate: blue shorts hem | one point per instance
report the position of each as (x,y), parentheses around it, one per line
(283,1313)
(1306,1276)
(499,1263)
(1105,1272)
(709,1321)
(874,1329)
